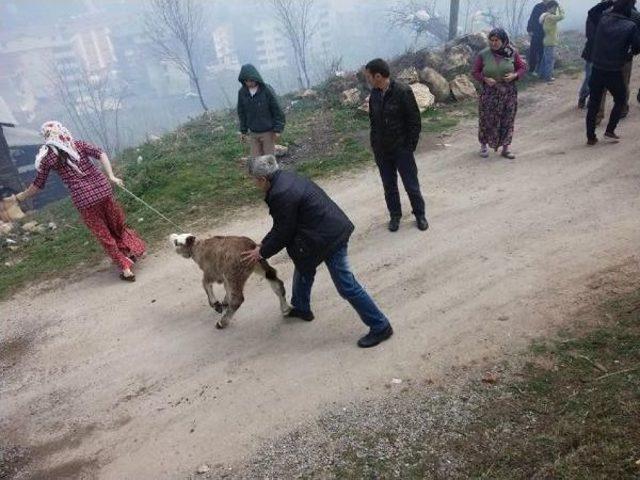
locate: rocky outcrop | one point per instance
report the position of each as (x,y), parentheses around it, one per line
(463,88)
(423,95)
(437,83)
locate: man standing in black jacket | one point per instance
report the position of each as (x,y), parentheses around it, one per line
(395,130)
(593,19)
(617,40)
(313,229)
(536,34)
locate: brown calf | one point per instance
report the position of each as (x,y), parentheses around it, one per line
(220,260)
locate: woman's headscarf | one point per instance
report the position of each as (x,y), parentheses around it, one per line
(56,138)
(507,49)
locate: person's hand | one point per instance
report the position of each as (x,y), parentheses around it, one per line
(251,257)
(510,77)
(117,181)
(490,81)
(243,137)
(276,136)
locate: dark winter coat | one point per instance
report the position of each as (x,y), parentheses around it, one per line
(395,119)
(534,27)
(260,113)
(305,221)
(617,40)
(593,19)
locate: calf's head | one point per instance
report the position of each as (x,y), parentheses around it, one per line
(183,243)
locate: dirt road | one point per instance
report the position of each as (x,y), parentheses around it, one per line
(113,381)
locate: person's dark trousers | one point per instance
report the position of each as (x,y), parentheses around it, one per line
(600,82)
(404,163)
(347,286)
(536,50)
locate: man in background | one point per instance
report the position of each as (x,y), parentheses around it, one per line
(536,34)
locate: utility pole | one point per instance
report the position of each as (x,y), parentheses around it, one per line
(453,19)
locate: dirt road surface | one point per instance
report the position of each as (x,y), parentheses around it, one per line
(102,379)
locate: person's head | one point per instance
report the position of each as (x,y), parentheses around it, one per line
(262,169)
(377,73)
(552,5)
(498,39)
(251,83)
(624,7)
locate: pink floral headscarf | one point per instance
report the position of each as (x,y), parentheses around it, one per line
(57,137)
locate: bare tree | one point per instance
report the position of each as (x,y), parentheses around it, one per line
(175,28)
(515,16)
(92,102)
(471,8)
(421,18)
(299,23)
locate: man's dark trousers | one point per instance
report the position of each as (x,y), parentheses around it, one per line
(602,80)
(536,50)
(404,163)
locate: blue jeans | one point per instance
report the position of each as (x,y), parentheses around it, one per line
(584,90)
(347,286)
(404,163)
(545,69)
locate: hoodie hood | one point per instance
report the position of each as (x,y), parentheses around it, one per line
(249,72)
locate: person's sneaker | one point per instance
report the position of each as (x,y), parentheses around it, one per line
(421,222)
(592,141)
(484,152)
(295,313)
(611,135)
(394,224)
(582,103)
(372,339)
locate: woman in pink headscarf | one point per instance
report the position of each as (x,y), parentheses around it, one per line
(90,191)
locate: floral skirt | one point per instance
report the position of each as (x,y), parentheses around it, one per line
(106,221)
(498,107)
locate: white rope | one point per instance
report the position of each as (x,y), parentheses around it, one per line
(152,209)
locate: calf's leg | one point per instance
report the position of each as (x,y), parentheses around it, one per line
(267,271)
(235,298)
(213,301)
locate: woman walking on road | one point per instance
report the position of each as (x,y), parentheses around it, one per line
(90,192)
(498,67)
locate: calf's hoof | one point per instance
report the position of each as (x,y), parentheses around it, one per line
(218,307)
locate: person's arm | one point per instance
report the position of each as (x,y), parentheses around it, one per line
(478,67)
(31,191)
(413,120)
(242,115)
(277,114)
(97,153)
(556,17)
(520,65)
(285,218)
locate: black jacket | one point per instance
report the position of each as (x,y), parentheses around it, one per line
(260,113)
(534,27)
(305,221)
(395,119)
(617,40)
(593,19)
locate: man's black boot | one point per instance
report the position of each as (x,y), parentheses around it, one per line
(372,339)
(422,223)
(295,313)
(394,224)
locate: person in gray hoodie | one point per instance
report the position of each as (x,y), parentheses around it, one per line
(261,118)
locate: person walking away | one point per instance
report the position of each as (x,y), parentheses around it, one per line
(314,230)
(617,39)
(395,131)
(536,34)
(90,192)
(549,21)
(498,67)
(261,118)
(593,18)
(627,70)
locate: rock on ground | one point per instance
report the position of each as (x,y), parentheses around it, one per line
(351,97)
(424,97)
(463,88)
(436,83)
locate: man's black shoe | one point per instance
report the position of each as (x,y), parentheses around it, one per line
(372,339)
(422,223)
(295,313)
(394,224)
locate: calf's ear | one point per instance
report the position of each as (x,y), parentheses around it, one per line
(190,241)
